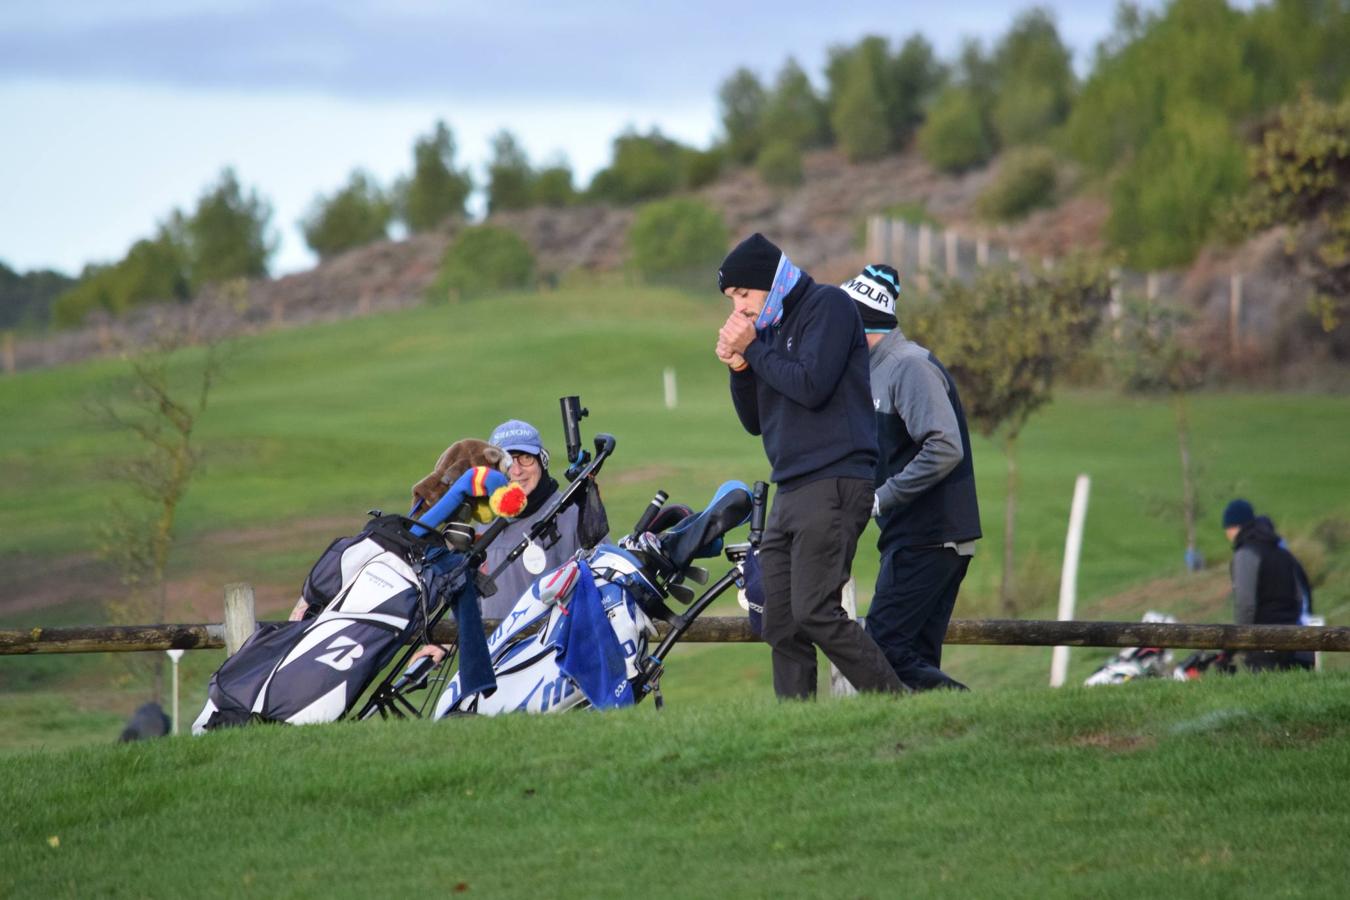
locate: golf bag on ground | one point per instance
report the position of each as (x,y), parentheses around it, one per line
(1136,662)
(580,635)
(368,595)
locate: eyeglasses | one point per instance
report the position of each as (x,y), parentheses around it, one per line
(524,460)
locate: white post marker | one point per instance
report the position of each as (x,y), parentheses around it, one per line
(1068,579)
(671,397)
(175,655)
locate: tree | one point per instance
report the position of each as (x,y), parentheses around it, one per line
(159,404)
(794,113)
(644,167)
(859,115)
(152,271)
(678,240)
(436,191)
(27,299)
(1301,177)
(553,185)
(355,215)
(955,137)
(228,235)
(1035,80)
(510,179)
(916,76)
(1151,356)
(1166,202)
(743,100)
(1007,338)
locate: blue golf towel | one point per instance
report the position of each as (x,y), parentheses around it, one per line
(588,651)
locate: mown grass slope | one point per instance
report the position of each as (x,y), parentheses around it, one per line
(1228,787)
(313,426)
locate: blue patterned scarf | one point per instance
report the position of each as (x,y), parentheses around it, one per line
(785,278)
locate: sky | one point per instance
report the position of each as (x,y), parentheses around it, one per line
(114,114)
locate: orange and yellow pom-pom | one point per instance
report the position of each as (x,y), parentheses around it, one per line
(509,501)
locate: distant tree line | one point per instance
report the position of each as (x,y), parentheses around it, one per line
(1161,124)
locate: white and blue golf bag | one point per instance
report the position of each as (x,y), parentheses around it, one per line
(580,636)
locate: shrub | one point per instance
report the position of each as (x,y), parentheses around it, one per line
(1025,181)
(677,240)
(780,163)
(482,259)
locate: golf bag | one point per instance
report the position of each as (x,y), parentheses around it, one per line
(1200,662)
(580,635)
(314,670)
(1136,662)
(368,596)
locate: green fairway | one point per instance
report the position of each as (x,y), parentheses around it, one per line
(1227,787)
(311,427)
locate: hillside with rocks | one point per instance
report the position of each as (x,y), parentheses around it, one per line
(821,222)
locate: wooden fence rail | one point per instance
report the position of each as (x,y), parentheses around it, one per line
(736,629)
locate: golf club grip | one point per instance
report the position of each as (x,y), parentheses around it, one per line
(759,505)
(649,514)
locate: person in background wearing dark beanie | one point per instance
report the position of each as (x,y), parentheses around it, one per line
(799,379)
(925,498)
(1269,585)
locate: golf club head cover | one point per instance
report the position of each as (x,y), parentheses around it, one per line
(477,482)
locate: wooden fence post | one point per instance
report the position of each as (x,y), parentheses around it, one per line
(925,254)
(982,251)
(1235,314)
(240,620)
(1151,287)
(899,254)
(9,353)
(949,239)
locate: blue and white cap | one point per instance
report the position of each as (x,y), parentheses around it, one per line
(516,436)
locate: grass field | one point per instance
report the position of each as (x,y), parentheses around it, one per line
(1228,787)
(313,426)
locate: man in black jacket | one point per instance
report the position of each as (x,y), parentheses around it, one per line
(925,489)
(799,379)
(1269,585)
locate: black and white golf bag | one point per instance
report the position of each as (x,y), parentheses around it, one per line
(580,636)
(384,583)
(1136,662)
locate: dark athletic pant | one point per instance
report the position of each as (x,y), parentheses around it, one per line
(804,561)
(913,602)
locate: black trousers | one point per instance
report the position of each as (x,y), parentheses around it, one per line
(804,561)
(915,595)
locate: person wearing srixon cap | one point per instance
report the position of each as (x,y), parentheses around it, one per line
(578,527)
(925,498)
(798,366)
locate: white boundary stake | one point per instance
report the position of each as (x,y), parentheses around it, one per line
(1068,579)
(671,397)
(175,655)
(839,685)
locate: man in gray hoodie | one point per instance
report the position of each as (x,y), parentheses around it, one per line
(925,499)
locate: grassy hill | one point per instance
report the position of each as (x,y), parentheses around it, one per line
(1222,787)
(313,426)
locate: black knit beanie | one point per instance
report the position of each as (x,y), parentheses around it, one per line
(751,264)
(874,292)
